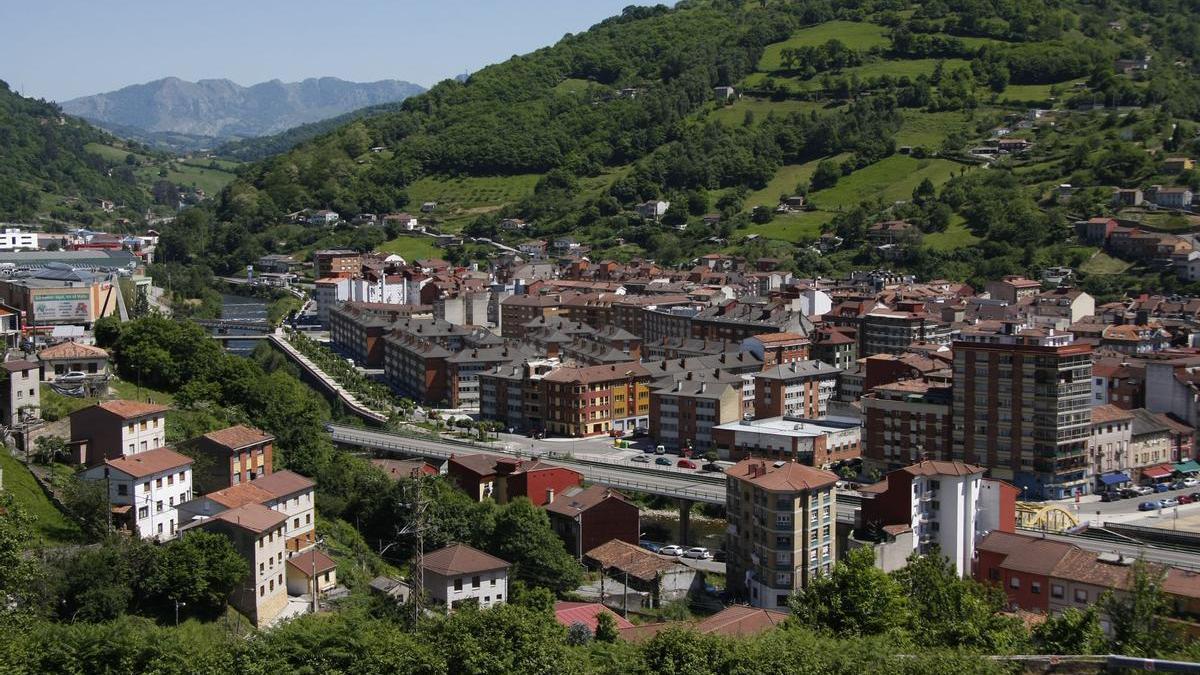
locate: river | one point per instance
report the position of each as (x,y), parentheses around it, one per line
(242,308)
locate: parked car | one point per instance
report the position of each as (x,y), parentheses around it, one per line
(1161,487)
(1147,506)
(662,461)
(1195,496)
(671,549)
(1129,493)
(686,464)
(660,450)
(641,431)
(651,546)
(616,433)
(73,377)
(1143,490)
(640,459)
(1110,496)
(1169,502)
(719,555)
(1191,482)
(649,449)
(698,552)
(1185,499)
(1177,485)
(714,467)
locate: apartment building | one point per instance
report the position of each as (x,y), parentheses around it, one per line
(464,368)
(594,400)
(234,455)
(888,331)
(256,533)
(684,413)
(1013,288)
(1108,445)
(905,422)
(944,505)
(835,347)
(145,490)
(782,529)
(21,394)
(813,442)
(1022,407)
(502,479)
(585,518)
(285,492)
(513,394)
(518,310)
(798,389)
(337,263)
(117,428)
(778,348)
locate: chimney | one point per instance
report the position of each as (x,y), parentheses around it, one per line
(549,495)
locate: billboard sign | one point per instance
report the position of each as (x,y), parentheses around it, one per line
(67,307)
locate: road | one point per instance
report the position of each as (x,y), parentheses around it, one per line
(1124,510)
(1185,559)
(665,481)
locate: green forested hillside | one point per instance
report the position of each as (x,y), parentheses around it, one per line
(44,163)
(869,107)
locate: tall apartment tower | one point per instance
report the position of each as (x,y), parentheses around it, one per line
(1021,407)
(782,529)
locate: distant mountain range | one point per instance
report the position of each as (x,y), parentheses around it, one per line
(181,115)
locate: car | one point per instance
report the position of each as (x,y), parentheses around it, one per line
(686,464)
(663,461)
(640,432)
(1161,487)
(719,555)
(73,377)
(640,459)
(616,433)
(660,449)
(671,549)
(1147,506)
(1177,485)
(1168,502)
(1129,493)
(1195,496)
(1111,496)
(649,449)
(713,467)
(651,546)
(1143,490)
(1191,482)
(698,552)
(1185,499)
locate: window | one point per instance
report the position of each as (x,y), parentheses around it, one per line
(157,482)
(122,489)
(171,479)
(1056,590)
(781,600)
(994,574)
(1015,582)
(1081,595)
(158,506)
(262,590)
(493,581)
(160,528)
(296,522)
(143,512)
(261,567)
(475,582)
(458,584)
(1035,587)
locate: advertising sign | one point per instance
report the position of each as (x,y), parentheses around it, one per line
(66,307)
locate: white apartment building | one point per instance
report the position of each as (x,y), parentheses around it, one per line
(459,573)
(15,239)
(286,492)
(1108,446)
(256,533)
(146,489)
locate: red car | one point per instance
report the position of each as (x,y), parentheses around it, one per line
(686,464)
(1185,499)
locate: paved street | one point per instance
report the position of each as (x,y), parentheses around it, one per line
(1091,508)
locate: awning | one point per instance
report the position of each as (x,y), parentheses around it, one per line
(1190,466)
(1160,471)
(1114,478)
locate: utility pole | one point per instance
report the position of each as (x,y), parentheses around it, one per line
(416,527)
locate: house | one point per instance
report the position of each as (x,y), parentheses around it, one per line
(724,92)
(568,614)
(145,490)
(116,428)
(323,217)
(397,469)
(428,207)
(21,395)
(535,248)
(658,578)
(406,221)
(1013,145)
(586,517)
(565,244)
(231,456)
(459,573)
(504,478)
(391,588)
(1127,197)
(812,442)
(890,232)
(311,571)
(286,492)
(792,203)
(653,209)
(1013,288)
(733,621)
(256,533)
(1173,197)
(1178,164)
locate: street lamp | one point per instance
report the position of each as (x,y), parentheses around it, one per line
(178,604)
(316,606)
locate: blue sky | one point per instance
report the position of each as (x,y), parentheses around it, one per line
(60,49)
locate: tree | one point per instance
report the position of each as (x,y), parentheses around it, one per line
(924,192)
(198,571)
(606,627)
(825,176)
(1139,616)
(21,575)
(87,501)
(1071,632)
(578,634)
(524,538)
(761,215)
(856,598)
(96,584)
(49,448)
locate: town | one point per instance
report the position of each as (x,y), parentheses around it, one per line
(789,336)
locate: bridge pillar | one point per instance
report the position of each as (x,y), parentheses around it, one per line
(685,521)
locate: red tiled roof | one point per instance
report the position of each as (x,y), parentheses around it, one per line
(238,437)
(460,559)
(789,477)
(586,613)
(741,620)
(283,483)
(131,409)
(253,517)
(304,562)
(72,350)
(1103,414)
(573,500)
(150,462)
(940,468)
(239,495)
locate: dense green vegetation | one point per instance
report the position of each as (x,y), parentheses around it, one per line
(43,155)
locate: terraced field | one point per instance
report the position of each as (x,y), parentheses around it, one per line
(461,199)
(854,35)
(893,179)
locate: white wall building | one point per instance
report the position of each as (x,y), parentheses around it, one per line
(286,492)
(15,239)
(146,489)
(460,573)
